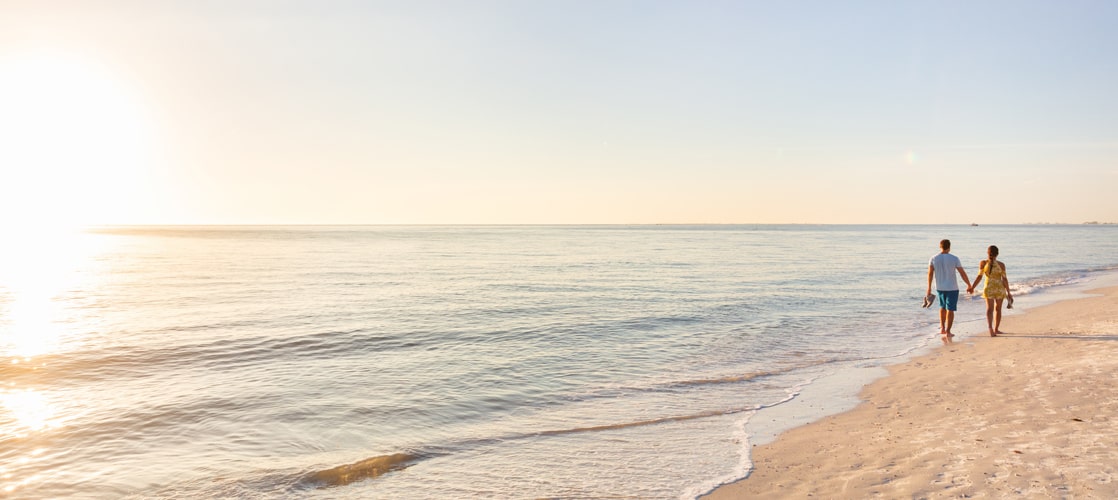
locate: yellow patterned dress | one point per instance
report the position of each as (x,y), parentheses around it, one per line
(995,287)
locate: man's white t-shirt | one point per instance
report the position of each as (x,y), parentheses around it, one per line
(945,265)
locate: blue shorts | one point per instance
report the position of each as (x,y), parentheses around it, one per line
(948,299)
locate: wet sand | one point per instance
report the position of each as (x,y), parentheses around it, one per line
(1032,413)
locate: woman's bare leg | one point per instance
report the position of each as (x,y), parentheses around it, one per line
(998,317)
(990,317)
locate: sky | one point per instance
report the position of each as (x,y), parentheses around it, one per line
(557,112)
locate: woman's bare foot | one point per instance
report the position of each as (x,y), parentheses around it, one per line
(993,333)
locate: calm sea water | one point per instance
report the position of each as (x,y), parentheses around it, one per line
(452,362)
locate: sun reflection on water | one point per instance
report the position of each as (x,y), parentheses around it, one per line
(37,269)
(41,272)
(29,409)
(32,325)
(9,481)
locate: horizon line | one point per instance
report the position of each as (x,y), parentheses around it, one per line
(570,224)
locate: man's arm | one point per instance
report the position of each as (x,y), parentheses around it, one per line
(965,278)
(931,273)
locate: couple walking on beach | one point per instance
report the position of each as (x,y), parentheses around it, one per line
(942,268)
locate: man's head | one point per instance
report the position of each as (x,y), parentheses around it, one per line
(945,245)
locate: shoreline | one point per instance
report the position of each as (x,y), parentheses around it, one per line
(978,415)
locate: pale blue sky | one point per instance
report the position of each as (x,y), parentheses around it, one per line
(579,111)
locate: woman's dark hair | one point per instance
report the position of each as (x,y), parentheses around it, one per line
(993,253)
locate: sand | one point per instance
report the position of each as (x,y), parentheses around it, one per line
(1029,414)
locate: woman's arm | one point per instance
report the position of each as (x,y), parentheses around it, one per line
(977,279)
(1005,281)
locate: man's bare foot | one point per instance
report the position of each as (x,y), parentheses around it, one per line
(993,333)
(949,334)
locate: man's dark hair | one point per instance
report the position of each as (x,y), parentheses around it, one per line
(945,244)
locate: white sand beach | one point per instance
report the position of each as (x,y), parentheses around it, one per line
(1031,413)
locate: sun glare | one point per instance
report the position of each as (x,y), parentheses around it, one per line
(73,142)
(37,270)
(29,408)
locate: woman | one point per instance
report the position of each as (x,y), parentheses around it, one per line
(996,290)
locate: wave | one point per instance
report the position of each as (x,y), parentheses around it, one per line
(748,377)
(359,471)
(638,423)
(277,483)
(224,354)
(1041,283)
(377,466)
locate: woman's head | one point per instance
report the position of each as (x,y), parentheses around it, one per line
(993,253)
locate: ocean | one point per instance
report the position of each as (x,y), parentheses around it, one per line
(460,361)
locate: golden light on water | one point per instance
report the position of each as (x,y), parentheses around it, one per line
(45,278)
(29,409)
(32,328)
(36,270)
(40,269)
(9,482)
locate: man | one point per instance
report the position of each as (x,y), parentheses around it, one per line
(943,266)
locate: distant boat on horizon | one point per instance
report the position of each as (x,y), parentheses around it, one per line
(973,224)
